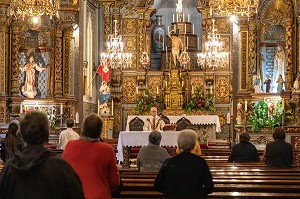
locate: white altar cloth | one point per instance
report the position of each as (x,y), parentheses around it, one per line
(140,138)
(194,119)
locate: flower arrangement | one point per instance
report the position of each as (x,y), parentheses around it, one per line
(51,117)
(200,101)
(145,102)
(265,115)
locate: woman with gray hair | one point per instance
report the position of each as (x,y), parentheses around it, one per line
(185,175)
(151,157)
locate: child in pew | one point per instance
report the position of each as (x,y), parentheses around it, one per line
(151,157)
(244,151)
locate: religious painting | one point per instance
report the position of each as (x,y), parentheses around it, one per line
(33,73)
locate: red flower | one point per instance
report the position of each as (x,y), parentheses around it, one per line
(145,103)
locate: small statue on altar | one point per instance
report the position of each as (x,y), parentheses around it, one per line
(257,86)
(296,86)
(104,109)
(176,46)
(271,107)
(280,83)
(268,84)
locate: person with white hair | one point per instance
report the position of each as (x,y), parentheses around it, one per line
(151,157)
(185,175)
(154,122)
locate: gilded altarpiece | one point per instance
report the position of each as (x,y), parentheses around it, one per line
(222,90)
(129,89)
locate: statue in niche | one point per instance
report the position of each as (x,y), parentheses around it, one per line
(279,66)
(257,84)
(296,86)
(268,84)
(176,46)
(280,83)
(29,86)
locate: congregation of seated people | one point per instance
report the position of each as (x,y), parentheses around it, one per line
(88,168)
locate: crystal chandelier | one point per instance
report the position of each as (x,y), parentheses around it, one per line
(213,56)
(243,8)
(34,8)
(115,56)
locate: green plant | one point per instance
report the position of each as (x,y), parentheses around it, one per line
(263,116)
(145,102)
(51,117)
(200,101)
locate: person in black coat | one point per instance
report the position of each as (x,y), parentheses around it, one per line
(244,151)
(279,154)
(35,172)
(185,175)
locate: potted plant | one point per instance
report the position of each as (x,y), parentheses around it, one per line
(146,101)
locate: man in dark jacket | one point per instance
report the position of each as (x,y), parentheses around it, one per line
(185,175)
(244,151)
(279,154)
(35,173)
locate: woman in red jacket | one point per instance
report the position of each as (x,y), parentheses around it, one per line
(93,160)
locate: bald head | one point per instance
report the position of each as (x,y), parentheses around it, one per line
(153,111)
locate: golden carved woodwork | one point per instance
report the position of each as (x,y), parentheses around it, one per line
(3,60)
(153,82)
(107,25)
(130,26)
(141,34)
(222,90)
(222,120)
(117,121)
(289,55)
(223,25)
(243,59)
(130,43)
(197,82)
(129,89)
(58,62)
(3,112)
(15,60)
(252,49)
(173,93)
(67,67)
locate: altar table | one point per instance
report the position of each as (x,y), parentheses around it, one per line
(140,138)
(194,119)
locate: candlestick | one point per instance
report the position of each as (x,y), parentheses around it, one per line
(228,118)
(77,118)
(246,104)
(188,17)
(61,108)
(112,106)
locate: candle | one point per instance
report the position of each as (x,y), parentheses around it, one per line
(163,43)
(193,29)
(173,19)
(182,17)
(112,106)
(239,106)
(61,108)
(156,89)
(282,105)
(192,89)
(137,90)
(177,17)
(166,53)
(246,104)
(231,107)
(168,29)
(188,17)
(210,89)
(166,84)
(77,118)
(228,118)
(187,43)
(184,28)
(198,43)
(21,108)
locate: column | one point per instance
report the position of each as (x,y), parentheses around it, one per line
(58,74)
(15,38)
(244,70)
(67,61)
(289,55)
(252,55)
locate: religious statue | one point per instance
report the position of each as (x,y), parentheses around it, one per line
(257,87)
(28,88)
(296,86)
(268,84)
(104,93)
(176,46)
(279,65)
(280,82)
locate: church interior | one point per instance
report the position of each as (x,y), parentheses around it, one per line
(219,67)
